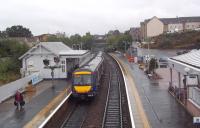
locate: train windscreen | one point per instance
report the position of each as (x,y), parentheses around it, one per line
(82,79)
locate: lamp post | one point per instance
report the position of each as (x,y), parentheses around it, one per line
(47,66)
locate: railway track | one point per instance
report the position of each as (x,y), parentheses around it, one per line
(76,117)
(75,114)
(114,114)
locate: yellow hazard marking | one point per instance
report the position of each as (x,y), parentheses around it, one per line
(82,73)
(45,112)
(82,89)
(139,105)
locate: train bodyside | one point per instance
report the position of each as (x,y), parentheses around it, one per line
(86,79)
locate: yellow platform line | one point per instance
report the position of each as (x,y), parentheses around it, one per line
(137,98)
(45,112)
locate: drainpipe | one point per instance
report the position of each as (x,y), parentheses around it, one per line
(179,85)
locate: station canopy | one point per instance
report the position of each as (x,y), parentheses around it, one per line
(186,63)
(73,53)
(192,58)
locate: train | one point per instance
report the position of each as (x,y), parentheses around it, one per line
(86,79)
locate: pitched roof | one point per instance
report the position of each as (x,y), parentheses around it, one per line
(192,58)
(179,20)
(176,20)
(54,47)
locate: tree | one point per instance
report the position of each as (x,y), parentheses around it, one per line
(153,64)
(3,34)
(10,51)
(76,41)
(18,31)
(119,42)
(75,38)
(65,40)
(87,40)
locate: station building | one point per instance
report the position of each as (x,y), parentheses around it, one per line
(184,81)
(32,60)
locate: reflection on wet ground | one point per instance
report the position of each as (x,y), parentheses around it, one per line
(35,101)
(162,109)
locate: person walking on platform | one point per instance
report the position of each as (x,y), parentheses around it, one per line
(19,100)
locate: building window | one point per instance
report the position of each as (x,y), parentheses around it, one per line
(194,95)
(63,66)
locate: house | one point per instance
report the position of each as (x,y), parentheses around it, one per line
(32,60)
(156,26)
(184,80)
(44,37)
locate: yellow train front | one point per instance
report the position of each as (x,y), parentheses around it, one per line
(86,79)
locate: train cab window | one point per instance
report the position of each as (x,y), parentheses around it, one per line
(82,79)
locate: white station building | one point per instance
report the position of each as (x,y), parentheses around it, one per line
(32,60)
(186,69)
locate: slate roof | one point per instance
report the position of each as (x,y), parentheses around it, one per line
(176,20)
(54,47)
(179,20)
(192,58)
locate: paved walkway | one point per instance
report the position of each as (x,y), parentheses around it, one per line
(12,118)
(162,110)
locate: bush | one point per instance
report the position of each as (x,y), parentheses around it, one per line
(177,40)
(153,64)
(10,51)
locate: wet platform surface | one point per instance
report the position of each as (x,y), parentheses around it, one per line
(13,118)
(162,110)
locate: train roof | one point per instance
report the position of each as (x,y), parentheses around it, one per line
(93,64)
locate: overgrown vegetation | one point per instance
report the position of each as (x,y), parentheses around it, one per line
(119,41)
(183,40)
(16,31)
(10,65)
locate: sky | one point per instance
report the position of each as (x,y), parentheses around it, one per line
(94,16)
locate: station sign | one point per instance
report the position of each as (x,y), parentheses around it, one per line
(196,120)
(192,80)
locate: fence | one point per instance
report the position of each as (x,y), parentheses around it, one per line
(10,89)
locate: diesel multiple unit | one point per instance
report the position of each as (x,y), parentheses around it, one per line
(86,79)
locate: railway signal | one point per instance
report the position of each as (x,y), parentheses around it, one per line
(47,66)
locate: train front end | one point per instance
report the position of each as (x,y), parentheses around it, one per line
(82,84)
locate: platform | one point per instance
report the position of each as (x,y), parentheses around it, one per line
(35,101)
(160,109)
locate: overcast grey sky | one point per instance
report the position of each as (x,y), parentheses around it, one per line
(95,16)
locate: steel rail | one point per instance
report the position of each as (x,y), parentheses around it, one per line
(54,111)
(113,109)
(71,121)
(108,92)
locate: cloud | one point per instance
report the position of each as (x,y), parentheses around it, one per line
(80,16)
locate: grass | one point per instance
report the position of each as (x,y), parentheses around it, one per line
(8,77)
